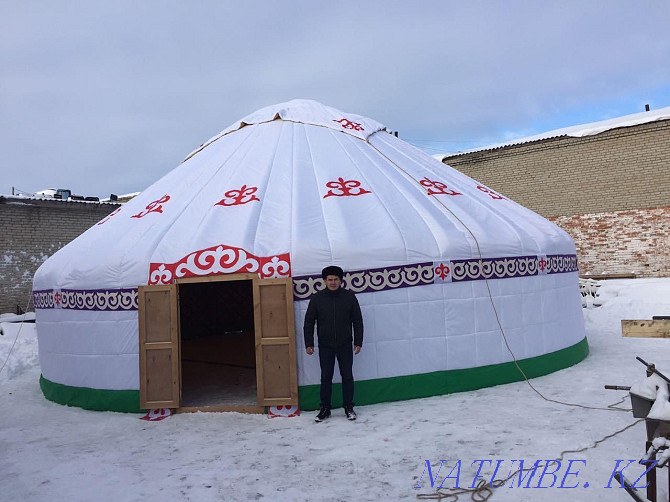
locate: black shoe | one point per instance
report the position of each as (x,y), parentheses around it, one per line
(349,411)
(323,414)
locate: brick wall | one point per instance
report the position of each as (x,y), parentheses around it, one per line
(30,232)
(621,242)
(597,188)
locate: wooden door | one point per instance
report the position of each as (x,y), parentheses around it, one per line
(276,372)
(160,383)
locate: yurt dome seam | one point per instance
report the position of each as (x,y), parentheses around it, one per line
(419,187)
(508,224)
(320,206)
(378,197)
(376,162)
(435,199)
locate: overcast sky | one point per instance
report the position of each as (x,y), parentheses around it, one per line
(106,97)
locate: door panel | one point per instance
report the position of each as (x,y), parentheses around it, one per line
(276,372)
(159,347)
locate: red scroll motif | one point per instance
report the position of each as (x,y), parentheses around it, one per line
(347,124)
(490,193)
(106,219)
(437,188)
(220,259)
(237,197)
(348,188)
(542,264)
(154,207)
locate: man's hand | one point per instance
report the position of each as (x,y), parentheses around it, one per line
(357,349)
(309,350)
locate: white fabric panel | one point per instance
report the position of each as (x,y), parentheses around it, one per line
(394,358)
(458,333)
(120,372)
(429,354)
(98,350)
(461,352)
(489,347)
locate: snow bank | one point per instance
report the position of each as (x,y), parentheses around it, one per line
(18,349)
(628,299)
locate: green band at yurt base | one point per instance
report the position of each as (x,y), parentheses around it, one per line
(447,382)
(127,401)
(367,391)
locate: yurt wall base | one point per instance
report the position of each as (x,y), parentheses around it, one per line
(126,401)
(367,391)
(447,382)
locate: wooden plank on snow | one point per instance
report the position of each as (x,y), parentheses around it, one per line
(646,328)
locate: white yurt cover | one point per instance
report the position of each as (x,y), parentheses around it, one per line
(286,191)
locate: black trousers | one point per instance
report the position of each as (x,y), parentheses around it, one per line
(345,360)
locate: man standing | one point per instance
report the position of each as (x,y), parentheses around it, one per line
(334,310)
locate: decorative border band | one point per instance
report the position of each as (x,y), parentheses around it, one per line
(418,274)
(222,259)
(561,263)
(91,299)
(367,281)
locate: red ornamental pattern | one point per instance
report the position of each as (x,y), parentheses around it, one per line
(437,188)
(542,264)
(284,411)
(153,207)
(347,124)
(238,197)
(490,193)
(157,414)
(348,188)
(220,259)
(442,271)
(106,219)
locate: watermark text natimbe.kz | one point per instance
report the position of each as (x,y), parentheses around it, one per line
(519,473)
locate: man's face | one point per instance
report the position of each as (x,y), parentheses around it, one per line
(333,282)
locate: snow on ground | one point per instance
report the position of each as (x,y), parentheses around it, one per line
(55,453)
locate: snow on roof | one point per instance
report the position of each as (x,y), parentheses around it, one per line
(577,131)
(19,199)
(121,198)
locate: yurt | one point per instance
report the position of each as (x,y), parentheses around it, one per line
(193,294)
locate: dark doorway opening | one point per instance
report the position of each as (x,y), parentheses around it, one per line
(218,356)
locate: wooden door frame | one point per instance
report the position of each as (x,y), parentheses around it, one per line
(260,341)
(253,409)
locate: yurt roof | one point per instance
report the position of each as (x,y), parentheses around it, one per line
(292,187)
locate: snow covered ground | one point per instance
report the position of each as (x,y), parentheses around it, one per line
(55,453)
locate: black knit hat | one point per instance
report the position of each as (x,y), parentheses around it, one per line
(332,270)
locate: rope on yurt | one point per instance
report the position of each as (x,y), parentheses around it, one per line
(11,349)
(484,489)
(488,288)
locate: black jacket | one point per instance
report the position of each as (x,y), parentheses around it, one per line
(334,313)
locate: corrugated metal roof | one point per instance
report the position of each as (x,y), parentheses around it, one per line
(577,131)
